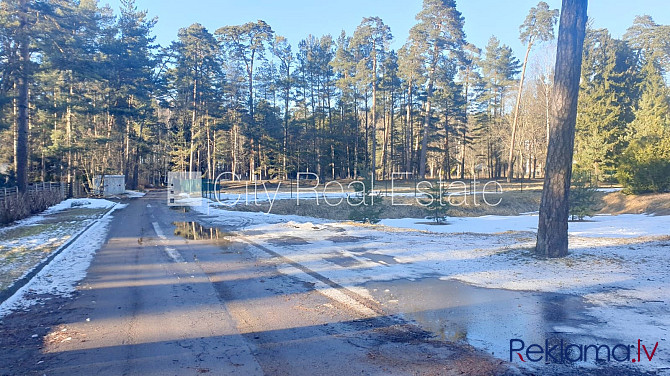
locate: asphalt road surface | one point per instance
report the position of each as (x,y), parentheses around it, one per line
(170,294)
(162,302)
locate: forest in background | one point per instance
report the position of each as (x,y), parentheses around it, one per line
(95,94)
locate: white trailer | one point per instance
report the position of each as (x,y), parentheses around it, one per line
(109,185)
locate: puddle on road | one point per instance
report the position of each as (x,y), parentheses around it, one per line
(196,231)
(337,239)
(287,241)
(486,318)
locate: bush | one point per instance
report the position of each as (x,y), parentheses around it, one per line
(368,208)
(645,166)
(435,203)
(582,196)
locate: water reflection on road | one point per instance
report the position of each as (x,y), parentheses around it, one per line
(486,318)
(196,231)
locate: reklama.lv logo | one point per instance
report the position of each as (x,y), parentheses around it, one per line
(560,352)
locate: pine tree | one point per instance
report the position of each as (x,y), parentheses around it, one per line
(436,202)
(195,77)
(372,37)
(552,234)
(282,50)
(366,204)
(582,196)
(438,33)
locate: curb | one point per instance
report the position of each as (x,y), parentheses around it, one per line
(19,283)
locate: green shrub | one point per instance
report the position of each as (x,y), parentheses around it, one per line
(645,166)
(435,203)
(582,196)
(365,205)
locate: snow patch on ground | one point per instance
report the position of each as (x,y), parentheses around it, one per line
(63,273)
(219,215)
(88,203)
(609,190)
(620,264)
(134,194)
(611,226)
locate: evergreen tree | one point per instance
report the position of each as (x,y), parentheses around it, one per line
(372,38)
(194,79)
(439,32)
(607,93)
(366,204)
(582,196)
(282,50)
(436,203)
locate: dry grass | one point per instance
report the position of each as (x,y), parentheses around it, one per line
(512,203)
(619,203)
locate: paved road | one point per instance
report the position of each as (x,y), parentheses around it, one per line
(156,303)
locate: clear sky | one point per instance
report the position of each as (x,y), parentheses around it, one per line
(295,19)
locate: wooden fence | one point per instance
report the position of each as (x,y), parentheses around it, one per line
(6,193)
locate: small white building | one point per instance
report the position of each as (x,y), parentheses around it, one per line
(109,185)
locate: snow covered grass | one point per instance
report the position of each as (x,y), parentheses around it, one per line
(134,194)
(619,226)
(619,264)
(26,243)
(60,276)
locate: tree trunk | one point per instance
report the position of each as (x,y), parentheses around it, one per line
(210,173)
(426,122)
(68,131)
(510,159)
(194,115)
(136,167)
(126,152)
(15,127)
(410,134)
(424,140)
(447,156)
(426,127)
(287,98)
(21,161)
(391,136)
(373,132)
(465,125)
(552,235)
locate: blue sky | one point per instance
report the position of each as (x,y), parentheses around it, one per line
(295,19)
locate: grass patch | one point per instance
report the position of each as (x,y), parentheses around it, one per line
(512,203)
(22,247)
